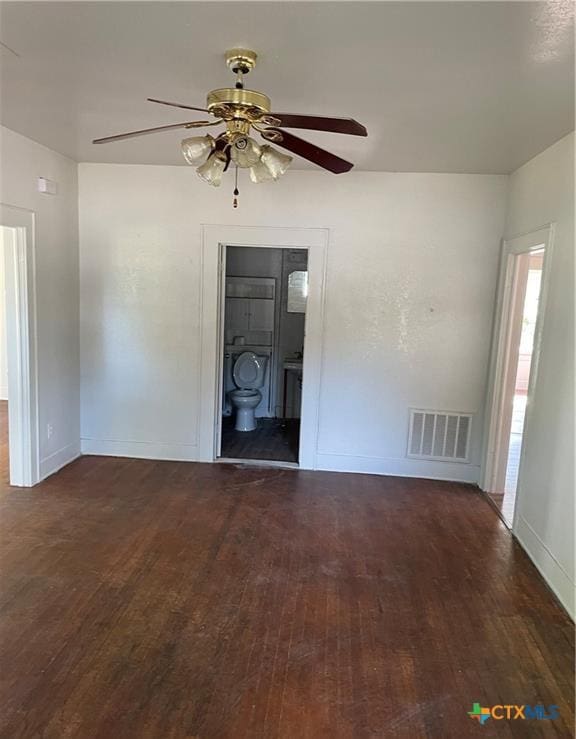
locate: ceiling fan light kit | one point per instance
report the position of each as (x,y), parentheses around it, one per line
(195,150)
(244,151)
(276,162)
(213,168)
(240,111)
(260,173)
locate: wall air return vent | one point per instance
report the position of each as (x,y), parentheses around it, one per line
(439,435)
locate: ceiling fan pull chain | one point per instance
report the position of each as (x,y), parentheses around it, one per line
(236,191)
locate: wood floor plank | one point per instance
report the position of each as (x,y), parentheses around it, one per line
(164,600)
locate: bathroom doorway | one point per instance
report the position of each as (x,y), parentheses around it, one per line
(265,294)
(215,239)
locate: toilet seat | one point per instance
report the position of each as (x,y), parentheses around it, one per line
(248,371)
(244,393)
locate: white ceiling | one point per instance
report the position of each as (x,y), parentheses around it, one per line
(442,87)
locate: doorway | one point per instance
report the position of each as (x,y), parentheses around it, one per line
(4,430)
(19,447)
(517,342)
(216,239)
(266,292)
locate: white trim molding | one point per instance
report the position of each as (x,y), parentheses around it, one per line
(21,342)
(214,238)
(512,247)
(168,451)
(546,563)
(398,467)
(58,459)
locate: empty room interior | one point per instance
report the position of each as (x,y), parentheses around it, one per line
(287,398)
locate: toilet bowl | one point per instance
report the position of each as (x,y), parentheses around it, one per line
(249,374)
(245,402)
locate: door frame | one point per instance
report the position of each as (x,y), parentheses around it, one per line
(20,270)
(214,240)
(541,238)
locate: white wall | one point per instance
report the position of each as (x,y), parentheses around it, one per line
(56,258)
(542,191)
(412,269)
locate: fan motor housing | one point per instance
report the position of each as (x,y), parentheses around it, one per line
(229,102)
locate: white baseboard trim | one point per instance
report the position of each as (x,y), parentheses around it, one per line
(171,451)
(3,392)
(398,467)
(179,452)
(54,462)
(546,564)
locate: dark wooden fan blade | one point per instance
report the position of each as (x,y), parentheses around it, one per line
(145,131)
(321,123)
(223,145)
(176,105)
(311,152)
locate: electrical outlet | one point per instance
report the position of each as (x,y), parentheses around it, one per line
(49,430)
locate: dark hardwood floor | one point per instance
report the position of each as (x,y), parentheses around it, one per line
(160,600)
(273,439)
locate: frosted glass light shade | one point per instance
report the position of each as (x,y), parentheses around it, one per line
(259,172)
(213,169)
(196,149)
(276,162)
(244,151)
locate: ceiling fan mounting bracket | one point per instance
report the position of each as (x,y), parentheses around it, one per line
(241,60)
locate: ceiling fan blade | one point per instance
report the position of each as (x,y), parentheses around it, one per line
(176,105)
(145,131)
(321,123)
(309,151)
(223,145)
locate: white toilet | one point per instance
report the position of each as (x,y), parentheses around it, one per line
(249,374)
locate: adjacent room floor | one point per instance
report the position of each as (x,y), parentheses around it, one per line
(164,600)
(506,501)
(274,439)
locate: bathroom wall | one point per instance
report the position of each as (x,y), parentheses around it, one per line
(410,284)
(247,262)
(291,336)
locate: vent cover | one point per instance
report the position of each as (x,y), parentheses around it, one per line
(439,435)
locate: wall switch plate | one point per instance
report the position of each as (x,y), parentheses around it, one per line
(46,186)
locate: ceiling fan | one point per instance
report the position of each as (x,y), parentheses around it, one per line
(241,110)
